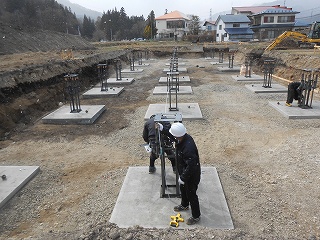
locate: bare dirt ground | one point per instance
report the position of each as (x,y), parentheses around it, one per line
(268,165)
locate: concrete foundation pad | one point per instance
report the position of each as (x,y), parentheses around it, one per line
(97,93)
(219,63)
(179,64)
(143,65)
(167,70)
(207,58)
(189,111)
(296,112)
(258,88)
(139,201)
(181,79)
(179,60)
(252,78)
(15,179)
(160,90)
(117,81)
(227,69)
(88,114)
(136,70)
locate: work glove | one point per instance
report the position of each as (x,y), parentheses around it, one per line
(180,181)
(160,126)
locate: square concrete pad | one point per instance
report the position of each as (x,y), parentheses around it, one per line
(136,70)
(179,64)
(258,88)
(227,69)
(189,111)
(252,78)
(139,201)
(218,63)
(62,115)
(143,65)
(159,90)
(296,112)
(97,93)
(181,79)
(167,70)
(115,81)
(16,178)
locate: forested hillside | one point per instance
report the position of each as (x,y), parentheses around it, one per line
(38,14)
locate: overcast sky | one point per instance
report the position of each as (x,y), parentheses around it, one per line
(200,8)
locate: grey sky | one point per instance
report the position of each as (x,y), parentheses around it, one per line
(200,8)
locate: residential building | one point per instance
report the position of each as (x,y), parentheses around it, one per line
(172,25)
(233,28)
(268,22)
(271,23)
(210,25)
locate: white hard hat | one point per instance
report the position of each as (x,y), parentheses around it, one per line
(178,129)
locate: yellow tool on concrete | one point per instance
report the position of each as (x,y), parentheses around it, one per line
(175,220)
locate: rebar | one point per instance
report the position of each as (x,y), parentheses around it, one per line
(268,67)
(309,81)
(73,89)
(102,75)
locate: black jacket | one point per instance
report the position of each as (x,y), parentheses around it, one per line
(149,130)
(188,160)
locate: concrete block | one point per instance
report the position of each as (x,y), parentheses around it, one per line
(189,111)
(62,115)
(139,201)
(296,112)
(16,178)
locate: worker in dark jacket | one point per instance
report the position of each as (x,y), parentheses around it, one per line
(149,136)
(189,171)
(294,92)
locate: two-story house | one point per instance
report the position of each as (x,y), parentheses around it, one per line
(233,28)
(172,25)
(271,23)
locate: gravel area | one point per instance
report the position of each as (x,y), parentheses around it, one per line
(268,166)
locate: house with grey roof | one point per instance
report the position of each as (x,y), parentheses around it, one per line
(233,28)
(270,23)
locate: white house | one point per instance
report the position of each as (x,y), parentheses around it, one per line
(233,28)
(172,25)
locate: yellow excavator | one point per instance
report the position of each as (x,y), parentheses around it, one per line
(313,37)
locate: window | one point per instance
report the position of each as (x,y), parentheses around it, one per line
(209,28)
(217,35)
(175,24)
(268,19)
(285,19)
(220,27)
(225,34)
(236,25)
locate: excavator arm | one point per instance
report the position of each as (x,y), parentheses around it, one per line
(299,36)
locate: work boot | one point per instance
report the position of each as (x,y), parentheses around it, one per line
(288,104)
(192,220)
(152,169)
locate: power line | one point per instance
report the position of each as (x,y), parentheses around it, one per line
(309,9)
(315,15)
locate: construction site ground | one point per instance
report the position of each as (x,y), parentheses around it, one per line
(268,165)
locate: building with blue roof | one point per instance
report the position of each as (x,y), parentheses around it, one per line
(233,28)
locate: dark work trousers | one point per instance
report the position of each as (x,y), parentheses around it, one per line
(293,93)
(153,156)
(189,196)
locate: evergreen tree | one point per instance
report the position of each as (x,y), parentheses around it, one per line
(88,27)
